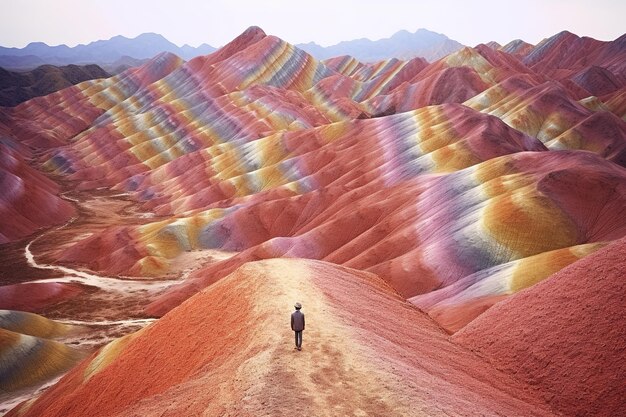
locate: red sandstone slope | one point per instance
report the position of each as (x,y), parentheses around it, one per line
(28,199)
(372,227)
(548,112)
(450,85)
(597,80)
(565,336)
(229,351)
(49,121)
(36,296)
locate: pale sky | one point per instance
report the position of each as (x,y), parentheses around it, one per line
(326,22)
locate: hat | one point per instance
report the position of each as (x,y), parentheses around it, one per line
(298,306)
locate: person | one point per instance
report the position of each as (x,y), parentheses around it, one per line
(297,324)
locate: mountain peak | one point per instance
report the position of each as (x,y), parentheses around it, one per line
(103,52)
(151,35)
(254,31)
(517,47)
(564,34)
(37,45)
(493,45)
(249,36)
(402,34)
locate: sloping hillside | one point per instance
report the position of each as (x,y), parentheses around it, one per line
(564,336)
(229,351)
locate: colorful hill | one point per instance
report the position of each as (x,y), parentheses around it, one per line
(226,142)
(365,351)
(28,353)
(29,200)
(459,186)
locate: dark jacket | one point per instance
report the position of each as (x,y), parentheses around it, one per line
(297,321)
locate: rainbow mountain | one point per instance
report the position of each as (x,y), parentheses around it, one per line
(454,186)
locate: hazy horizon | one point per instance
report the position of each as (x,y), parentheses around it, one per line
(72,22)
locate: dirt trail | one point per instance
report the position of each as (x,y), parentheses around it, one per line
(329,369)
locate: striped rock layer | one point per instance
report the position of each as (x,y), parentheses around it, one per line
(28,354)
(459,182)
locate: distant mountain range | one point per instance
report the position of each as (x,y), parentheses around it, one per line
(119,52)
(403,45)
(118,49)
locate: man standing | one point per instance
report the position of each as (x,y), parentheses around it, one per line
(297,324)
